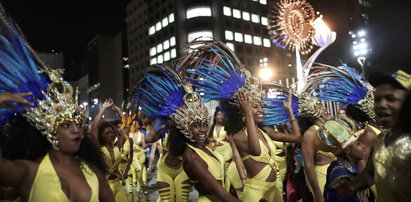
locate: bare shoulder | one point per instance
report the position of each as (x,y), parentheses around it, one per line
(240,137)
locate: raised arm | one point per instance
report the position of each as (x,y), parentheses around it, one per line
(308,150)
(197,169)
(107,103)
(118,111)
(253,142)
(295,136)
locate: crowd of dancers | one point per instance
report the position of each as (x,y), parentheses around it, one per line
(282,146)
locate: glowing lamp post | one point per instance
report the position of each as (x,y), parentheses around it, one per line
(322,38)
(266,73)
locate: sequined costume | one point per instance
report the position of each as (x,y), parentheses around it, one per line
(215,166)
(46,181)
(341,169)
(392,168)
(257,187)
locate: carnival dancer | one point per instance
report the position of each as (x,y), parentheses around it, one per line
(106,134)
(139,158)
(59,153)
(163,94)
(227,80)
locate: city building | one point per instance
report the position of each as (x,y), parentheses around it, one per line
(158,29)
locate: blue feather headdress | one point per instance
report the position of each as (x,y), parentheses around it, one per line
(163,94)
(21,71)
(217,72)
(342,84)
(274,110)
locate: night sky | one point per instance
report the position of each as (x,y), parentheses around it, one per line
(66,25)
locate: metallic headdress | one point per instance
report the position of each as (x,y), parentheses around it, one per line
(308,105)
(163,94)
(218,72)
(57,107)
(22,71)
(342,84)
(337,134)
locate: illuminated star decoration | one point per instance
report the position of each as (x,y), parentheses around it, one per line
(290,25)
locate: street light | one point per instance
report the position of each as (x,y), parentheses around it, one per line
(266,73)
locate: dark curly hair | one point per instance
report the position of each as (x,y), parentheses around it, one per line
(176,141)
(101,127)
(21,140)
(233,117)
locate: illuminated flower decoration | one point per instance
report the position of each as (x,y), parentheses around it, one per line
(290,25)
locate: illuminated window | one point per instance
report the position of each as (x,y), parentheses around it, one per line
(173,41)
(264,21)
(151,30)
(153,51)
(167,56)
(198,12)
(229,35)
(238,37)
(255,18)
(267,43)
(171,18)
(248,38)
(166,44)
(257,40)
(159,48)
(164,22)
(173,53)
(153,61)
(160,59)
(192,35)
(236,13)
(158,26)
(227,11)
(263,2)
(231,46)
(246,16)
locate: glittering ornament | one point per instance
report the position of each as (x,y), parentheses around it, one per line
(290,25)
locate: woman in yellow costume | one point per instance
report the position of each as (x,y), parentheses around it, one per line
(105,133)
(227,80)
(45,154)
(139,158)
(172,182)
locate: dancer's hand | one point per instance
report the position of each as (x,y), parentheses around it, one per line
(19,98)
(245,105)
(288,103)
(107,103)
(343,187)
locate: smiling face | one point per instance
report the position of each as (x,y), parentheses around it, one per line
(108,135)
(219,118)
(199,130)
(258,112)
(69,135)
(324,115)
(387,104)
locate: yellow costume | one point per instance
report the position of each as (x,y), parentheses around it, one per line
(139,158)
(178,181)
(125,157)
(223,148)
(112,175)
(392,168)
(257,187)
(215,168)
(233,179)
(47,186)
(321,171)
(281,159)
